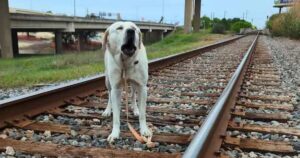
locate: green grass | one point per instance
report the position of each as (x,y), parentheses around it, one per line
(179,42)
(28,71)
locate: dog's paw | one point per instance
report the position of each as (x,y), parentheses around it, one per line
(115,134)
(145,131)
(107,112)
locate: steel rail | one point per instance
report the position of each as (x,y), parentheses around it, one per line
(16,109)
(207,141)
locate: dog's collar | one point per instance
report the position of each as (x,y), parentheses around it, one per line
(123,60)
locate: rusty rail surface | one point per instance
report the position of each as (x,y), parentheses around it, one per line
(207,142)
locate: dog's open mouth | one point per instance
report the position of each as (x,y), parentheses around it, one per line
(128,49)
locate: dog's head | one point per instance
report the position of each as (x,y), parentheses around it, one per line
(123,37)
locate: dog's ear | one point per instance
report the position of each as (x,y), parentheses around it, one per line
(140,39)
(105,40)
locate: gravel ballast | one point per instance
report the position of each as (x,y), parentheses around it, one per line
(286,54)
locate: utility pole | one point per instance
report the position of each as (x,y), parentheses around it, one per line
(30,4)
(74,9)
(197,16)
(163,8)
(188,16)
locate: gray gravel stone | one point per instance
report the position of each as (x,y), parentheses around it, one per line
(163,149)
(47,134)
(137,149)
(73,142)
(37,155)
(252,154)
(275,137)
(3,136)
(73,133)
(275,123)
(138,144)
(297,145)
(266,136)
(10,151)
(36,137)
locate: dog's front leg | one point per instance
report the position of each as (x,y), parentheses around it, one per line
(115,100)
(107,111)
(134,106)
(142,99)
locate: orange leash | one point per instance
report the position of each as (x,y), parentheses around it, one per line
(137,136)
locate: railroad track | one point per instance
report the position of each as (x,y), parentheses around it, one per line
(256,118)
(262,123)
(66,121)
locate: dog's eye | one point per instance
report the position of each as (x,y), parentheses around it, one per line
(133,28)
(120,28)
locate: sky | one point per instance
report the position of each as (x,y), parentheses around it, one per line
(255,11)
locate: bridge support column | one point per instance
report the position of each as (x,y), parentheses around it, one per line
(145,37)
(197,16)
(166,33)
(58,42)
(81,41)
(15,42)
(188,16)
(280,10)
(6,50)
(153,36)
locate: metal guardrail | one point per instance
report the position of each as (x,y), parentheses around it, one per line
(199,145)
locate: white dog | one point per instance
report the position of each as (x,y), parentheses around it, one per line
(124,50)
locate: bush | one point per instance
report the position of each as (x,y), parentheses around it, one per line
(287,24)
(218,28)
(239,25)
(269,23)
(277,27)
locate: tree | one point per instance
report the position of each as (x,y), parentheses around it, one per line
(206,22)
(239,25)
(226,23)
(218,28)
(216,21)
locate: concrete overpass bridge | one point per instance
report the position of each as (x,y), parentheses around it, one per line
(70,24)
(59,24)
(14,23)
(284,3)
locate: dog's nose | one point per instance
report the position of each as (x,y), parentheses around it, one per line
(130,31)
